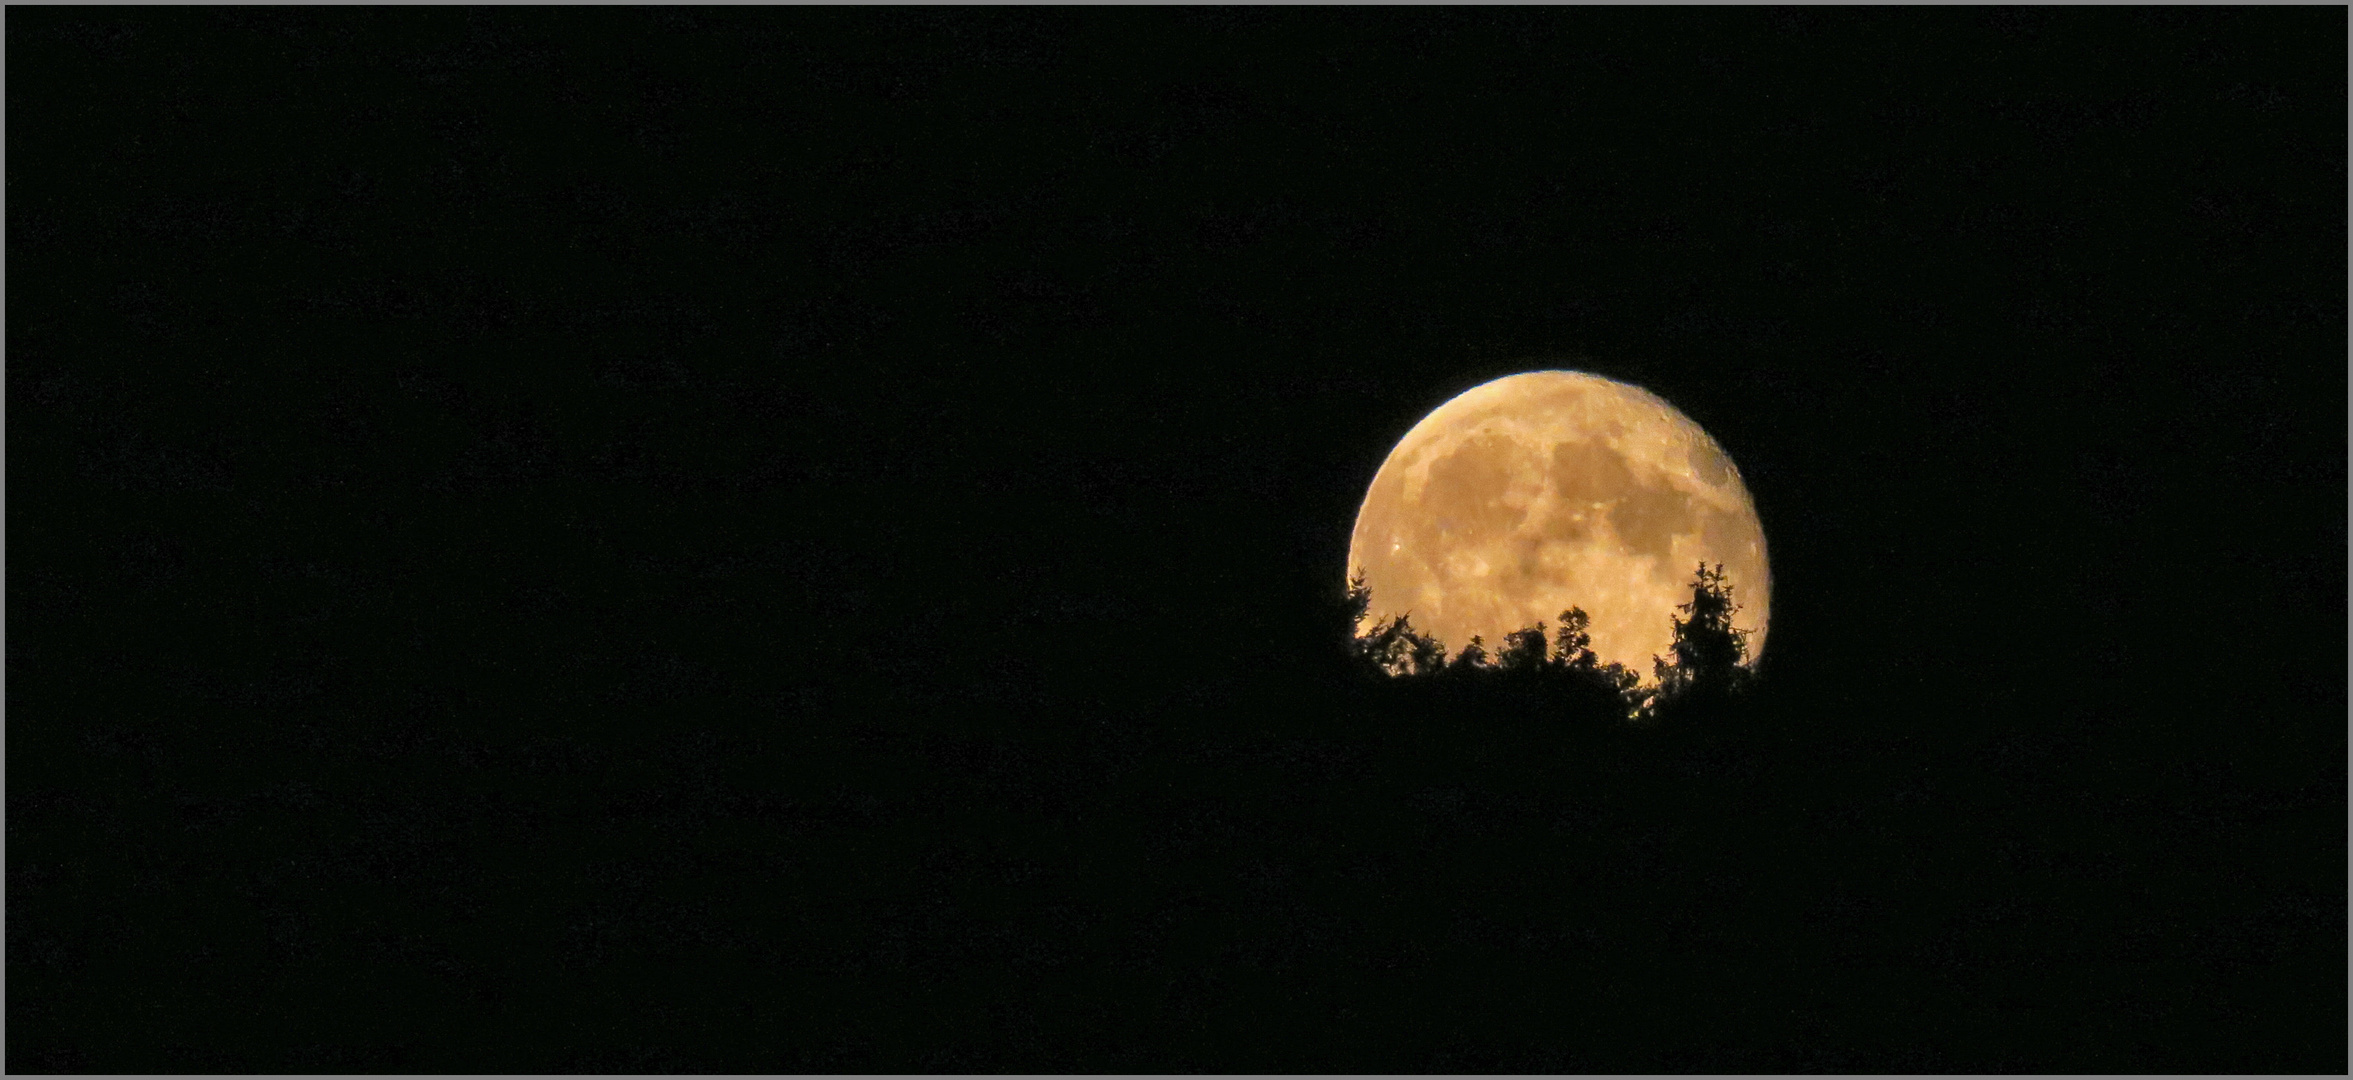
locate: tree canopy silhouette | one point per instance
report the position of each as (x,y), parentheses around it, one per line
(1389,646)
(1706,661)
(1523,651)
(1558,666)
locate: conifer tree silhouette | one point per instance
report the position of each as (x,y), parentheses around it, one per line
(1573,641)
(1708,650)
(1356,604)
(1586,682)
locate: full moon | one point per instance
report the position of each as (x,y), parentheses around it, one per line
(1539,492)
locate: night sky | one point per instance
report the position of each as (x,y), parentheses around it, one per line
(804,540)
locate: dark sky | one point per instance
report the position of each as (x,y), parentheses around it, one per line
(526,364)
(2024,323)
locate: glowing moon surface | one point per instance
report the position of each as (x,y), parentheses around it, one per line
(1535,493)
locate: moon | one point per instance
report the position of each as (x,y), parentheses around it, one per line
(1546,490)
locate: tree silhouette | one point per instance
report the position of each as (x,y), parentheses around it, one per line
(1389,646)
(1426,654)
(1523,651)
(1560,670)
(1394,647)
(1708,650)
(1472,658)
(1357,604)
(1573,642)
